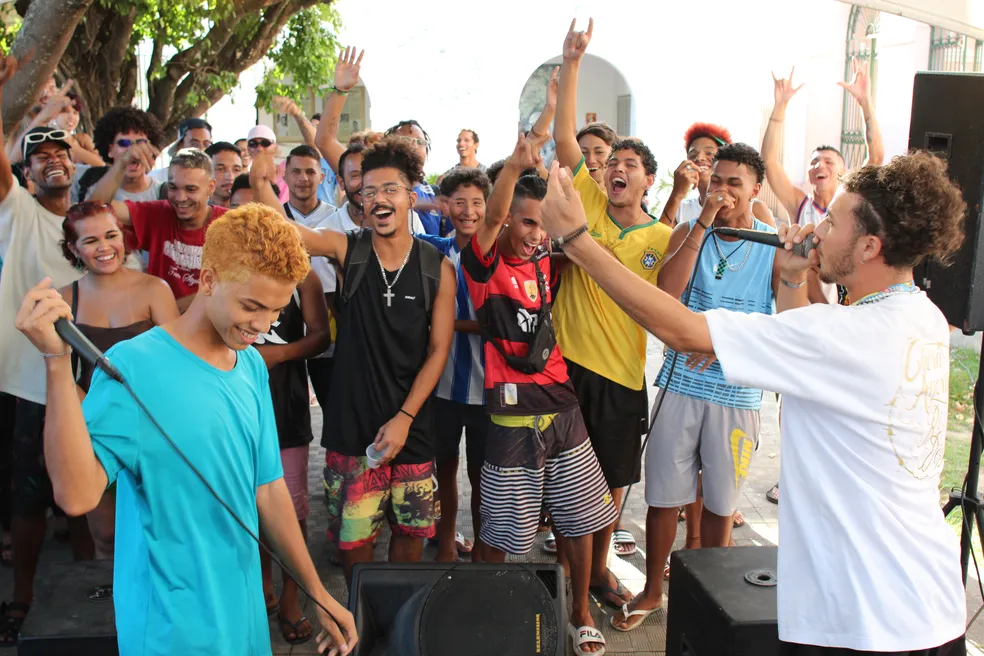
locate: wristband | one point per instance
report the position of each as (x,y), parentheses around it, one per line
(792,285)
(412,418)
(49,356)
(535,133)
(339,91)
(705,227)
(571,236)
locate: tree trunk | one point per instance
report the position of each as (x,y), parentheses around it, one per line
(47,28)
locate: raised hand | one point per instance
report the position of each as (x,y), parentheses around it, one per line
(860,84)
(9,65)
(792,267)
(286,106)
(784,89)
(714,203)
(263,169)
(347,68)
(526,155)
(144,154)
(577,42)
(685,178)
(552,87)
(561,211)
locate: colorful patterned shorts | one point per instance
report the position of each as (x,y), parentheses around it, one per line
(359,498)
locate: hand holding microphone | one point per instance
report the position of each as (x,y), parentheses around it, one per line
(798,251)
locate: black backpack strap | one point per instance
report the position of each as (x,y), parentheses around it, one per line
(162,191)
(290,215)
(431,261)
(76,364)
(354,268)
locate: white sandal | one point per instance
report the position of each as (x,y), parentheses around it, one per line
(635,613)
(624,539)
(547,546)
(584,635)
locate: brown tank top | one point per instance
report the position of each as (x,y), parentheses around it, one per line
(102,338)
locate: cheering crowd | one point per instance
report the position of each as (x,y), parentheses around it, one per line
(418,314)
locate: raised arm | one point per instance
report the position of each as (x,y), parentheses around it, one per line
(288,106)
(685,243)
(8,66)
(785,191)
(860,89)
(52,108)
(346,76)
(77,477)
(524,156)
(105,190)
(685,178)
(565,125)
(393,434)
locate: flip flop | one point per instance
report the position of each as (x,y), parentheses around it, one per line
(773,494)
(738,519)
(642,614)
(603,592)
(624,539)
(584,635)
(550,544)
(286,625)
(462,544)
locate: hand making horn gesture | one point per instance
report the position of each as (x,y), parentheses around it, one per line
(577,42)
(784,89)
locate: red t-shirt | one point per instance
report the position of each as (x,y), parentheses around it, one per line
(507,302)
(175,254)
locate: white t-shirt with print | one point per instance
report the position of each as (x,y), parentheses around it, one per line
(866,560)
(30,248)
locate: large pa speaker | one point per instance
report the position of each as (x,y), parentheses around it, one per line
(723,603)
(72,614)
(947,121)
(449,609)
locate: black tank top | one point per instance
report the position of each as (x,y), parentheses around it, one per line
(379,351)
(102,338)
(288,380)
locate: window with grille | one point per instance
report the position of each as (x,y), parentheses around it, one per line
(862,31)
(953,52)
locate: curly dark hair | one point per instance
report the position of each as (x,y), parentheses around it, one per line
(640,149)
(912,206)
(121,120)
(397,153)
(461,177)
(742,153)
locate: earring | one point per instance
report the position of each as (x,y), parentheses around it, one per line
(79,265)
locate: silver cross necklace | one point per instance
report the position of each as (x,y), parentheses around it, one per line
(389,285)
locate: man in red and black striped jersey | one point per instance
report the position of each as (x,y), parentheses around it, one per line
(537,450)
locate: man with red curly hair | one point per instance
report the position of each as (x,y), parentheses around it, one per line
(701,141)
(187,574)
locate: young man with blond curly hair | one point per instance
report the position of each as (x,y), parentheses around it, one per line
(188,575)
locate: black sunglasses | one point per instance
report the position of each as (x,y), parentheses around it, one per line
(259,143)
(126,143)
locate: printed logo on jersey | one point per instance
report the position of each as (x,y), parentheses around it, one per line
(650,258)
(527,321)
(530,287)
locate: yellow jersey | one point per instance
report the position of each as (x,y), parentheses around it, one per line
(591,329)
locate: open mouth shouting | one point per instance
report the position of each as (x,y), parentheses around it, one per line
(382,213)
(56,174)
(618,184)
(529,248)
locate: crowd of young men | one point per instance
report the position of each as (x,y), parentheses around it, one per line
(430,313)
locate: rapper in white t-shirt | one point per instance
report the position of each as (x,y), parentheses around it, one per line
(866,561)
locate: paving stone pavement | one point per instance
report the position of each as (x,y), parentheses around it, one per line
(649,640)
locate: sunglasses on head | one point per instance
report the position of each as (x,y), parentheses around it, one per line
(51,135)
(259,143)
(126,143)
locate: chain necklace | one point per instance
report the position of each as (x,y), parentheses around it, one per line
(907,287)
(389,285)
(723,264)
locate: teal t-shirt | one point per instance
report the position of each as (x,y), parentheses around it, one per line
(186,577)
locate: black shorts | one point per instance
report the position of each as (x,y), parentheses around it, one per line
(31,488)
(956,647)
(617,418)
(450,418)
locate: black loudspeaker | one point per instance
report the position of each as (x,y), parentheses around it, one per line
(449,609)
(947,121)
(72,614)
(723,603)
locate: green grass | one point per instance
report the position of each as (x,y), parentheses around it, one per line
(964,365)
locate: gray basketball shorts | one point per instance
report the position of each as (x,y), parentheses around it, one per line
(689,437)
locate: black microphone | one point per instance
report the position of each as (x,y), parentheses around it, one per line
(769,239)
(72,336)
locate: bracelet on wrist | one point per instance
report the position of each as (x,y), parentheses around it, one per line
(536,134)
(51,356)
(560,242)
(792,285)
(407,414)
(703,225)
(339,91)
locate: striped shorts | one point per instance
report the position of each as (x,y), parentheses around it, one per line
(532,462)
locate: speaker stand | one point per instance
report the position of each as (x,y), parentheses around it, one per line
(968,498)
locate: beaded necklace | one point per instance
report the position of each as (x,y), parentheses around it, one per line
(908,287)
